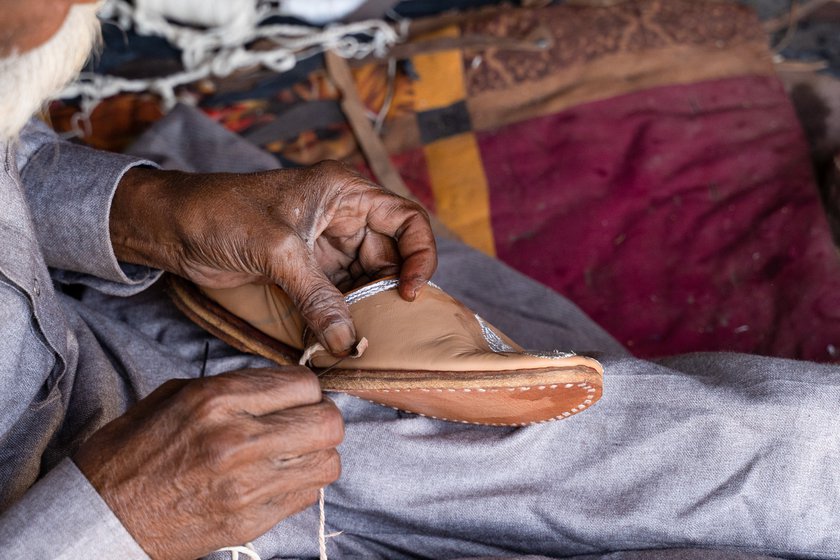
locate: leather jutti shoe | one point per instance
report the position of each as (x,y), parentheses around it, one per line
(432,357)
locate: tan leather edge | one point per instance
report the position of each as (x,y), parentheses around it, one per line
(221,323)
(487,416)
(224,325)
(368,380)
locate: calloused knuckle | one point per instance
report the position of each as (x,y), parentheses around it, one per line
(221,449)
(209,407)
(340,176)
(256,375)
(265,379)
(294,378)
(306,385)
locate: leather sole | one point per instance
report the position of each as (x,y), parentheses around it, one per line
(516,397)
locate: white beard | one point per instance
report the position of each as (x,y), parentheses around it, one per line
(29,80)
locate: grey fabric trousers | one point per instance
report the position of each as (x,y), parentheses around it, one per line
(706,451)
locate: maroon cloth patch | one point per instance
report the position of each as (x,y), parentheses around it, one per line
(680,218)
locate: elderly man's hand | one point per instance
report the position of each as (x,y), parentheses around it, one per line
(308,230)
(206,463)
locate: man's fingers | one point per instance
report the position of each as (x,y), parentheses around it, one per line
(322,306)
(253,520)
(406,222)
(277,439)
(419,256)
(311,471)
(245,483)
(254,391)
(288,504)
(378,256)
(314,428)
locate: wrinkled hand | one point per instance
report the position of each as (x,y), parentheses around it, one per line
(206,463)
(312,231)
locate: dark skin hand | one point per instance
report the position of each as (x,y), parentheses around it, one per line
(315,232)
(206,463)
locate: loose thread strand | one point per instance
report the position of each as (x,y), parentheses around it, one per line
(322,526)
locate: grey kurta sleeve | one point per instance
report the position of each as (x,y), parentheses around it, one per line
(62,517)
(69,189)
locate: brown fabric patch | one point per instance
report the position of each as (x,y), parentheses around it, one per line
(579,35)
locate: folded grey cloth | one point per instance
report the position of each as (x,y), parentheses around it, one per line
(697,457)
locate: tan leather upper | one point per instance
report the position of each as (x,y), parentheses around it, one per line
(265,307)
(432,356)
(433,333)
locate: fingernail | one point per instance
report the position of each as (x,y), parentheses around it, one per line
(339,338)
(409,294)
(416,289)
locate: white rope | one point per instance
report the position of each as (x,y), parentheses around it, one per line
(205,13)
(235,551)
(219,50)
(309,352)
(322,527)
(319,11)
(360,348)
(249,551)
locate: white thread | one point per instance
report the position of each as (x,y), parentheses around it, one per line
(359,349)
(320,11)
(309,352)
(322,527)
(204,13)
(224,44)
(235,551)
